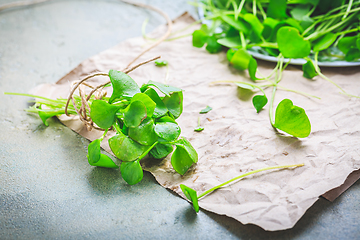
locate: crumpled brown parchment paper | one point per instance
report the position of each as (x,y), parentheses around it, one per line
(236,139)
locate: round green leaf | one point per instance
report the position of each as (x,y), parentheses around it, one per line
(123,85)
(199,38)
(212,45)
(125,148)
(309,70)
(291,44)
(160,108)
(346,43)
(240,60)
(161,150)
(103,114)
(144,133)
(292,119)
(259,101)
(174,103)
(131,172)
(167,130)
(230,42)
(181,160)
(255,23)
(147,101)
(134,114)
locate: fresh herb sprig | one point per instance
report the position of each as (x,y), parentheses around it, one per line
(312,30)
(144,119)
(194,197)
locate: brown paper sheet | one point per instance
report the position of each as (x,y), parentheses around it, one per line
(236,139)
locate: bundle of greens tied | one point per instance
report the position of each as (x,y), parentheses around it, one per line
(144,119)
(312,30)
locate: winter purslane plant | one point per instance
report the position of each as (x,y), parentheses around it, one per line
(316,30)
(144,119)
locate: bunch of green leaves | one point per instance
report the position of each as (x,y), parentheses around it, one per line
(285,29)
(144,119)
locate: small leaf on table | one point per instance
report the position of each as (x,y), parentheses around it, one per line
(309,70)
(292,119)
(191,195)
(259,101)
(206,110)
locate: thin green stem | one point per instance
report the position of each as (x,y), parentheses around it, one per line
(271,116)
(245,175)
(298,92)
(348,9)
(147,151)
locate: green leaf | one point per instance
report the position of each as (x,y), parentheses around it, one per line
(238,24)
(309,70)
(324,42)
(199,129)
(259,101)
(103,114)
(346,43)
(292,119)
(94,151)
(245,86)
(125,148)
(123,85)
(144,133)
(166,119)
(160,108)
(191,194)
(230,42)
(255,23)
(44,116)
(181,160)
(167,130)
(199,38)
(104,161)
(206,110)
(269,26)
(352,54)
(96,158)
(291,44)
(229,54)
(252,68)
(161,150)
(131,172)
(183,156)
(147,101)
(212,45)
(174,103)
(277,9)
(160,63)
(299,11)
(134,114)
(293,23)
(164,88)
(241,59)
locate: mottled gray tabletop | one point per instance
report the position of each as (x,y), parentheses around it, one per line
(48,190)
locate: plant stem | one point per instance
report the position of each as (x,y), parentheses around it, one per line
(147,151)
(272,121)
(247,174)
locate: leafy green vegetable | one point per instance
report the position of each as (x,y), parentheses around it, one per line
(199,128)
(144,123)
(309,70)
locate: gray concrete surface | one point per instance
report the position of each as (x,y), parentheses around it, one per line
(48,190)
